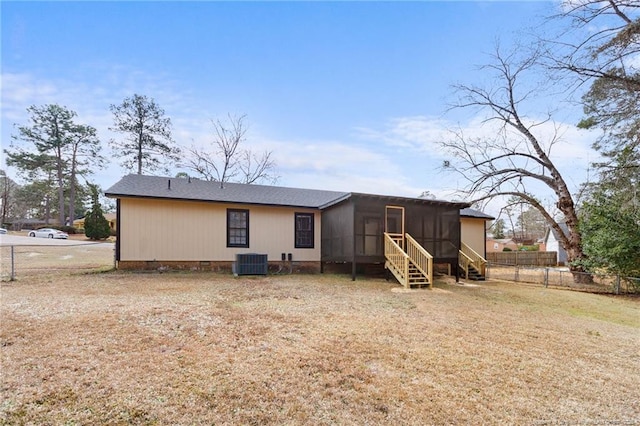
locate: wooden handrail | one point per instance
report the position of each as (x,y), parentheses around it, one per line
(396,238)
(397,259)
(478,262)
(464,261)
(421,258)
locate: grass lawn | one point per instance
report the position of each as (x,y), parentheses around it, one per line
(120,348)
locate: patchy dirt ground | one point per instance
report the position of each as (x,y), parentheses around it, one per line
(122,348)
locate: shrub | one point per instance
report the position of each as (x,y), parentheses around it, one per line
(68,229)
(96,227)
(506,249)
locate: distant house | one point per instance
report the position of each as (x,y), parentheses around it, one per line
(28,224)
(552,242)
(499,244)
(473,226)
(190,223)
(111,218)
(542,245)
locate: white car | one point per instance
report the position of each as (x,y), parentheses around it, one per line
(48,233)
(3,231)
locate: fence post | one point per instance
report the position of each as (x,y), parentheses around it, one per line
(546,277)
(517,273)
(617,289)
(13,269)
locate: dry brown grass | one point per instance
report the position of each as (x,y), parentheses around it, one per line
(210,349)
(65,259)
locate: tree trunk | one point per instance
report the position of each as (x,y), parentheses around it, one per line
(140,138)
(47,209)
(60,201)
(72,198)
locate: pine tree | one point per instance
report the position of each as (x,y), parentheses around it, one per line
(147,145)
(96,227)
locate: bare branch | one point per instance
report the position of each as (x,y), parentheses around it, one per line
(515,159)
(226,161)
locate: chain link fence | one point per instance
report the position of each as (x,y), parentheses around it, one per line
(23,260)
(562,277)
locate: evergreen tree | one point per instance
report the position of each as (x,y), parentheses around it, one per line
(96,227)
(53,149)
(498,229)
(147,144)
(610,217)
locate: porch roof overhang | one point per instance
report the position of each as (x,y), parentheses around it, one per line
(396,200)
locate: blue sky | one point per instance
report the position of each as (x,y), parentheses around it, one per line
(349,96)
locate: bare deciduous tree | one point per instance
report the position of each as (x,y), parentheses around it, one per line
(600,37)
(600,47)
(227,161)
(516,162)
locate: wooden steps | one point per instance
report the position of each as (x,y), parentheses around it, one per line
(413,267)
(472,265)
(417,278)
(474,274)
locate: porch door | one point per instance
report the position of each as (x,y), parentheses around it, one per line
(394,223)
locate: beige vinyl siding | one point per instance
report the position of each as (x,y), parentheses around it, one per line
(472,234)
(168,230)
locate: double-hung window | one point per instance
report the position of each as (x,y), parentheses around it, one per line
(237,228)
(304,230)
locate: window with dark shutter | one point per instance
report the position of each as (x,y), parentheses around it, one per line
(237,228)
(304,230)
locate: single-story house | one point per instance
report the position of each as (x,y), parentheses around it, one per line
(30,223)
(110,217)
(552,243)
(197,224)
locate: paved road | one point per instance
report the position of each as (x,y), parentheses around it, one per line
(23,240)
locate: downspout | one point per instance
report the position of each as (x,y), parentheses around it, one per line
(118,228)
(484,222)
(457,262)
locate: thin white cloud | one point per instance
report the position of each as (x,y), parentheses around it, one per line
(419,133)
(335,165)
(359,166)
(420,137)
(423,135)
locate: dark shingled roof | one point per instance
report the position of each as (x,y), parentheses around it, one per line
(475,213)
(201,190)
